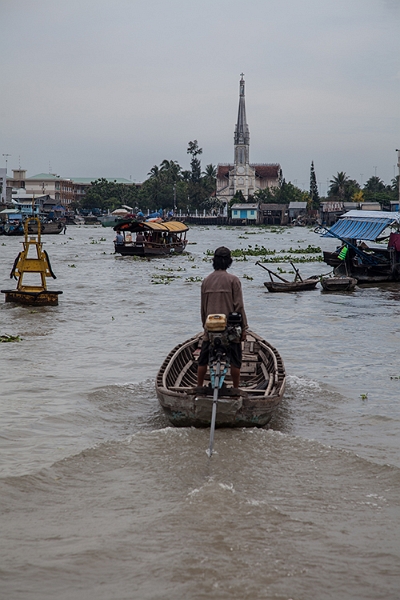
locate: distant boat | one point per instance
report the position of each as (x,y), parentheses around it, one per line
(110,220)
(46,227)
(151,238)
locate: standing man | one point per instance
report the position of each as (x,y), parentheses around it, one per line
(221,293)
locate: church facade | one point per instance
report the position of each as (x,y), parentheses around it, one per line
(242,175)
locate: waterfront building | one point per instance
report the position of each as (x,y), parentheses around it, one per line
(63,190)
(243,176)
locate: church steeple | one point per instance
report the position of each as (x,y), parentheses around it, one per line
(242,134)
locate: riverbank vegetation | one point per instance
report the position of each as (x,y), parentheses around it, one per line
(169,186)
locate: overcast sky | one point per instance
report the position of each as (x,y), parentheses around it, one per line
(94,88)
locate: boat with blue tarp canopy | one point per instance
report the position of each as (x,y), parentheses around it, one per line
(362,225)
(354,258)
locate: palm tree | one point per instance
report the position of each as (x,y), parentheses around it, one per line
(171,169)
(210,171)
(154,172)
(374,184)
(338,185)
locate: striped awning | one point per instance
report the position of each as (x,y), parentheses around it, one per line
(362,225)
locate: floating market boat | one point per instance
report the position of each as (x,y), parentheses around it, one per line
(29,263)
(262,384)
(338,284)
(150,238)
(16,228)
(354,258)
(283,285)
(46,227)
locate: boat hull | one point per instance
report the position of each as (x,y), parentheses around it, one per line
(338,284)
(45,298)
(295,286)
(51,228)
(253,404)
(143,250)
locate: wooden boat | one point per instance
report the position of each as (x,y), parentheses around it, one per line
(292,286)
(338,284)
(152,238)
(262,384)
(46,227)
(354,258)
(283,285)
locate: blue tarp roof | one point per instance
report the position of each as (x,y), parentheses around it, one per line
(362,225)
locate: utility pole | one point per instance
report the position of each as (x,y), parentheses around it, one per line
(6,155)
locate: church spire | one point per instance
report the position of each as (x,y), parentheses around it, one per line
(242,134)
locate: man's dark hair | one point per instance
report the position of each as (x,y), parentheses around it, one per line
(222,263)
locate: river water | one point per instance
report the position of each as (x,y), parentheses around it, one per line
(102,499)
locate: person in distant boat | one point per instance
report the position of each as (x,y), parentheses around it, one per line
(140,237)
(221,293)
(119,239)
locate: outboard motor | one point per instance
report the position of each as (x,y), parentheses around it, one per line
(222,331)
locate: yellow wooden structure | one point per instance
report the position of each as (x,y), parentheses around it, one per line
(32,260)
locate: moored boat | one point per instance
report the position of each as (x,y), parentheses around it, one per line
(151,238)
(338,284)
(46,227)
(292,286)
(354,257)
(283,285)
(262,384)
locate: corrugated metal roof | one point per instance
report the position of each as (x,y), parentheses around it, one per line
(362,224)
(297,205)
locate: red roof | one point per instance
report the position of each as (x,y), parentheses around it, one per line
(223,170)
(269,171)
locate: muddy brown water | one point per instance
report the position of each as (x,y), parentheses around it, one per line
(102,499)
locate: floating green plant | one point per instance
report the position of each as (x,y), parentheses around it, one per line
(309,250)
(164,279)
(193,279)
(9,338)
(293,259)
(248,277)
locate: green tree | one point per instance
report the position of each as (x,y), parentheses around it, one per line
(108,195)
(285,193)
(338,185)
(314,194)
(209,179)
(375,190)
(343,188)
(198,194)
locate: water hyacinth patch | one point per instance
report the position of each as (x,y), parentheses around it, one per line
(9,338)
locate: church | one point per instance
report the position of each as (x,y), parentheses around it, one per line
(242,175)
